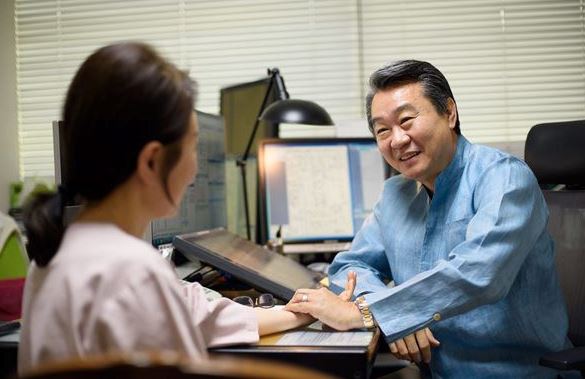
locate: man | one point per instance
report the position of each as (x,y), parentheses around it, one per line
(461,232)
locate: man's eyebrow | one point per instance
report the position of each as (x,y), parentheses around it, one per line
(404,107)
(397,111)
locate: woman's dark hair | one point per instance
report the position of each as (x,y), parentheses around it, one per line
(122,97)
(435,85)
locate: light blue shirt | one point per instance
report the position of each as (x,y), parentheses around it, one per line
(475,264)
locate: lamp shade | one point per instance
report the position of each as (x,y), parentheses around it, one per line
(293,111)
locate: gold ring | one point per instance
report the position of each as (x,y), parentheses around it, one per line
(305,298)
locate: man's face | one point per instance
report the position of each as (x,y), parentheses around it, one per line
(413,138)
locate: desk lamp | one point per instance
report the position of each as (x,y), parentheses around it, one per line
(284,110)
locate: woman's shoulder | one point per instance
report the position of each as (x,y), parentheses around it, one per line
(94,247)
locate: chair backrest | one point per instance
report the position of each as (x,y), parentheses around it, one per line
(556,154)
(168,365)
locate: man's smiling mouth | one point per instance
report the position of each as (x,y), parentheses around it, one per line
(408,156)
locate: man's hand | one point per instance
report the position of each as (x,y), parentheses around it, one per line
(415,345)
(349,286)
(335,311)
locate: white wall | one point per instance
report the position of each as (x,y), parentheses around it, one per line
(8,123)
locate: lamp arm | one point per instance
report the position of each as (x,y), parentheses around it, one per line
(242,166)
(275,78)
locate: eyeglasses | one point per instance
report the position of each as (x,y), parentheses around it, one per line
(266,300)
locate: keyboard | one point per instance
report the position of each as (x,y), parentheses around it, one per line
(311,248)
(8,327)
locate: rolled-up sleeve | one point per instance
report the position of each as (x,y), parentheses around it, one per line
(366,258)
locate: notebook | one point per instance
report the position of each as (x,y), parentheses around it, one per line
(261,268)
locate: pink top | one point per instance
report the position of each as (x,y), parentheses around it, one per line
(106,290)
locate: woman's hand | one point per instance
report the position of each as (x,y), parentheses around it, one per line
(415,346)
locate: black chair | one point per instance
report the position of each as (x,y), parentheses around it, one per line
(556,154)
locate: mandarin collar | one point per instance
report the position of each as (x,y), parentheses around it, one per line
(454,169)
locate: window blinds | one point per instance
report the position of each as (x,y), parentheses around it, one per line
(314,43)
(511,64)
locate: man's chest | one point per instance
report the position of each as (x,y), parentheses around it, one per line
(425,237)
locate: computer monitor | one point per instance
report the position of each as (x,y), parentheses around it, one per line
(59,152)
(261,268)
(315,190)
(239,106)
(73,207)
(203,205)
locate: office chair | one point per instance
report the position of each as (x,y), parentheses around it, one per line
(556,154)
(168,365)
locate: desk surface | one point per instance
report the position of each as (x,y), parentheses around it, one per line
(343,361)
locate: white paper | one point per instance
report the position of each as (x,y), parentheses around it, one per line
(321,338)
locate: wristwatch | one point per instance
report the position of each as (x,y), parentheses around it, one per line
(364,308)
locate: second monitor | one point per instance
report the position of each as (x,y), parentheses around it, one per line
(315,190)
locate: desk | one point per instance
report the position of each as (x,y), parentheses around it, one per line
(343,361)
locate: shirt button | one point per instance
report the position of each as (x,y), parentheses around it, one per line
(437,317)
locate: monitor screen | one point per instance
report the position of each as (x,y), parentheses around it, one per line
(239,106)
(59,152)
(203,205)
(318,189)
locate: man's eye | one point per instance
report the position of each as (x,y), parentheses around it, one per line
(381,131)
(405,119)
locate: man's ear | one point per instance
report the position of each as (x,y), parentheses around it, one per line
(452,112)
(149,162)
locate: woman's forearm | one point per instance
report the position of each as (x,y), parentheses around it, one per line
(276,320)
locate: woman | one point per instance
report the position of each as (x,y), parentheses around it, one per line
(96,286)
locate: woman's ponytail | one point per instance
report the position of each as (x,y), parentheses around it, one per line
(43,222)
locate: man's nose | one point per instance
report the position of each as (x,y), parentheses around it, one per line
(399,139)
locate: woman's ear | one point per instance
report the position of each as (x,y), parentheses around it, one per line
(149,162)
